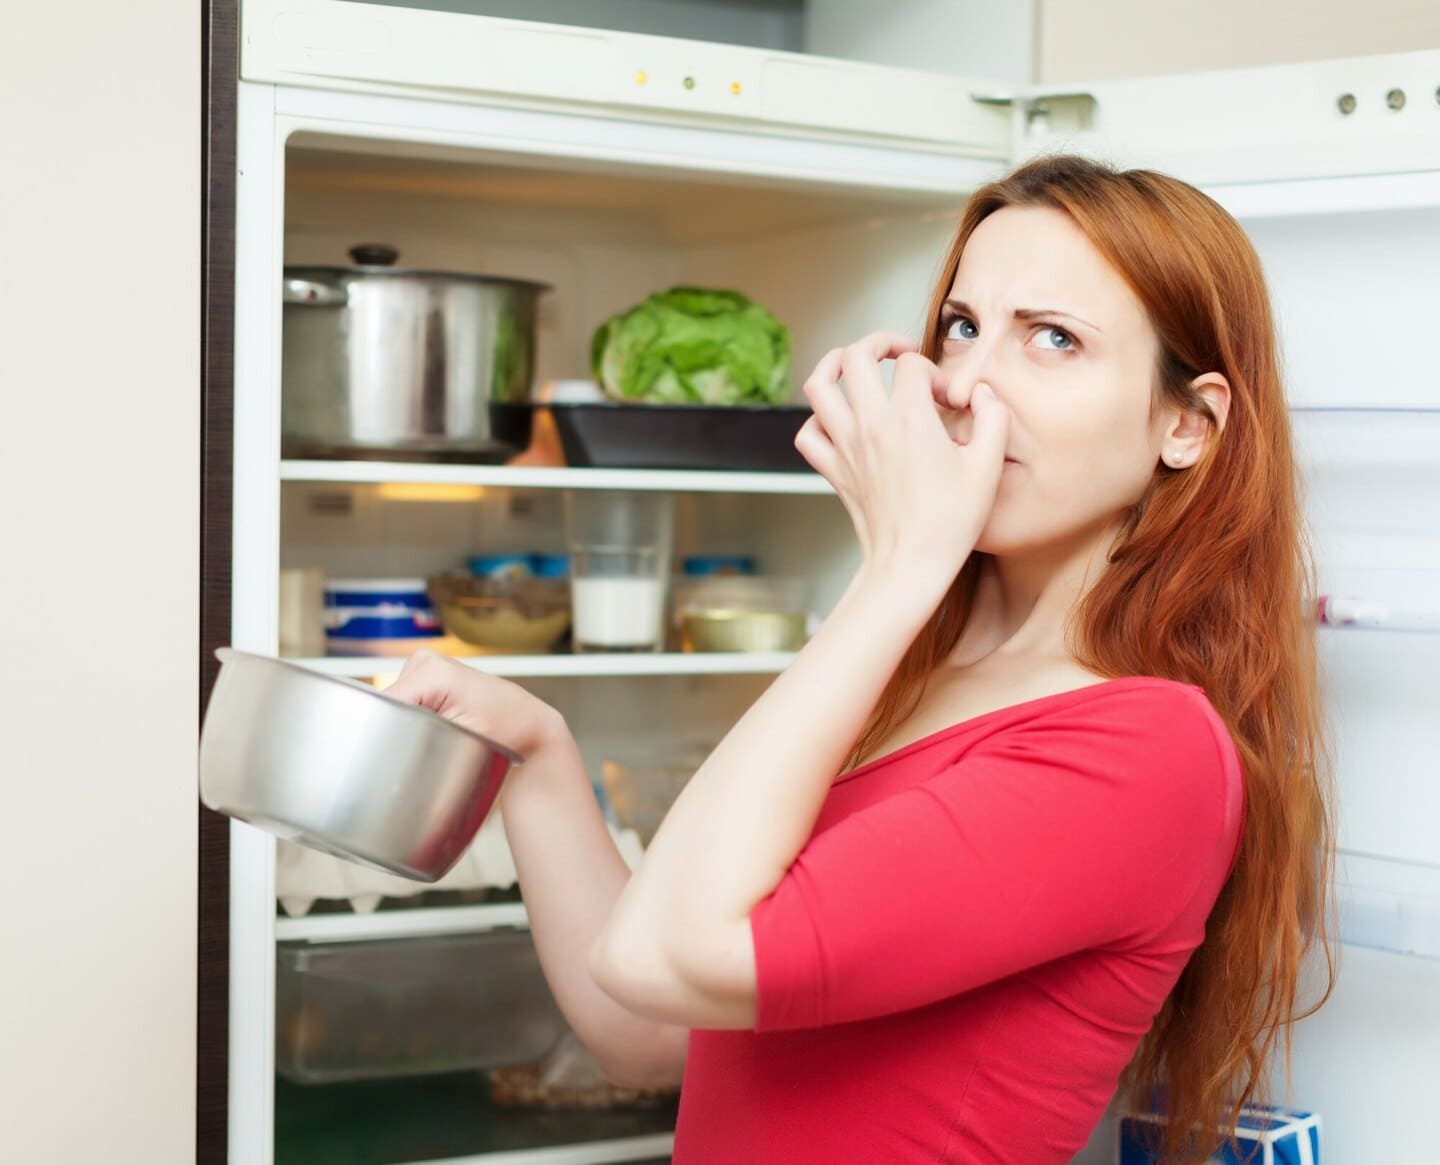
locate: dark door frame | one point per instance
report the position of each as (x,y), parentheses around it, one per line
(220,51)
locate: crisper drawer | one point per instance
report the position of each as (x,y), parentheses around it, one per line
(360,1010)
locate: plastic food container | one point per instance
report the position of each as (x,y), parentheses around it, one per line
(501,565)
(705,565)
(568,1077)
(641,794)
(736,613)
(378,616)
(364,1010)
(507,613)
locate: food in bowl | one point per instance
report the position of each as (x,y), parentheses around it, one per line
(741,613)
(515,614)
(742,631)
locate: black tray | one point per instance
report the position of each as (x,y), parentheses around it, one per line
(615,435)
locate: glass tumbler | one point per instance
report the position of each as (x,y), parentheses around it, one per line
(620,543)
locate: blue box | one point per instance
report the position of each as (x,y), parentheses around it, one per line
(1284,1137)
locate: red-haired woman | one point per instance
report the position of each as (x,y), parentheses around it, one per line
(1041,809)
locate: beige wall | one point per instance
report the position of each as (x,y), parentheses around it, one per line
(980,39)
(99,303)
(1096,40)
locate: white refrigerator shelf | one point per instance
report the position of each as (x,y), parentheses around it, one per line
(1385,904)
(1389,905)
(613,1152)
(542,477)
(717,663)
(422,921)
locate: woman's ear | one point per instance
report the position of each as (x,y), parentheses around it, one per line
(1185,440)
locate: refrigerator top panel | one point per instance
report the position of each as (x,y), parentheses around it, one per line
(463,58)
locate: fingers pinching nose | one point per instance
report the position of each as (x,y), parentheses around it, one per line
(958,393)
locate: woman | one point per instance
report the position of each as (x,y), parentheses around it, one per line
(1039,810)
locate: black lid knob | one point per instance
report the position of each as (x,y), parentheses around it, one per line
(374,254)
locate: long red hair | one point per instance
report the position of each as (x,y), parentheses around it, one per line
(1210,583)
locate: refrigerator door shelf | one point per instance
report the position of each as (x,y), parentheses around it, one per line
(1371,482)
(1352,612)
(1389,905)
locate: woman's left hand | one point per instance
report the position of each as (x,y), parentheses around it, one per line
(918,498)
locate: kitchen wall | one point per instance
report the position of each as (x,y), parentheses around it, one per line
(971,38)
(766,23)
(99,376)
(1096,40)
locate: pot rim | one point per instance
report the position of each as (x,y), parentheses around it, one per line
(378,272)
(225,654)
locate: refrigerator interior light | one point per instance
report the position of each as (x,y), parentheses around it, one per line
(428,491)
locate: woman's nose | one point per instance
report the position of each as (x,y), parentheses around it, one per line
(961,390)
(964,374)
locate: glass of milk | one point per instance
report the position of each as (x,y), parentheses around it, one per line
(620,545)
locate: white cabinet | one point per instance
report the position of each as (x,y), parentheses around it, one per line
(611,164)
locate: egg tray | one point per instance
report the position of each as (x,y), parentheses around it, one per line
(304,876)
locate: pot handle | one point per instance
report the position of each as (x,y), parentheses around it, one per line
(309,291)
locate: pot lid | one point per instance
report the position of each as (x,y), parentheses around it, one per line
(378,260)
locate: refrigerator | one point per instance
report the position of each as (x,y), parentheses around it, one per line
(610,163)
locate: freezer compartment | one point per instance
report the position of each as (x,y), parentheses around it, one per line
(365,1010)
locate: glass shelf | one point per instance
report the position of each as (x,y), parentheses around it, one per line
(1389,905)
(525,477)
(716,663)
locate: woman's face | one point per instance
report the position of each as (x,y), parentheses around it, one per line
(1040,316)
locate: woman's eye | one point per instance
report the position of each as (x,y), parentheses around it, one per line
(1057,339)
(961,329)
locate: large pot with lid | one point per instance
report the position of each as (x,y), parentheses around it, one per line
(384,361)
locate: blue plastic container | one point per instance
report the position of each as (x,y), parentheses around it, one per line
(372,612)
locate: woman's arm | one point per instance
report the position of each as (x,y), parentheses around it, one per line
(572,875)
(570,871)
(678,947)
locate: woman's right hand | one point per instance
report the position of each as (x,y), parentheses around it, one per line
(496,709)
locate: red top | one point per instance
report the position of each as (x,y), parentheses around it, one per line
(964,957)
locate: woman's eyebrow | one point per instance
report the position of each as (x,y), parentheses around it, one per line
(1025,313)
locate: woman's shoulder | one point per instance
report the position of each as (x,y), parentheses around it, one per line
(1142,737)
(972,704)
(1128,712)
(1064,714)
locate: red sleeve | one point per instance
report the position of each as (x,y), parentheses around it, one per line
(1089,827)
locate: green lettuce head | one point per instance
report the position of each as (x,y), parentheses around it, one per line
(689,345)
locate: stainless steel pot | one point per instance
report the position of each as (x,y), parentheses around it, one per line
(343,768)
(380,361)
